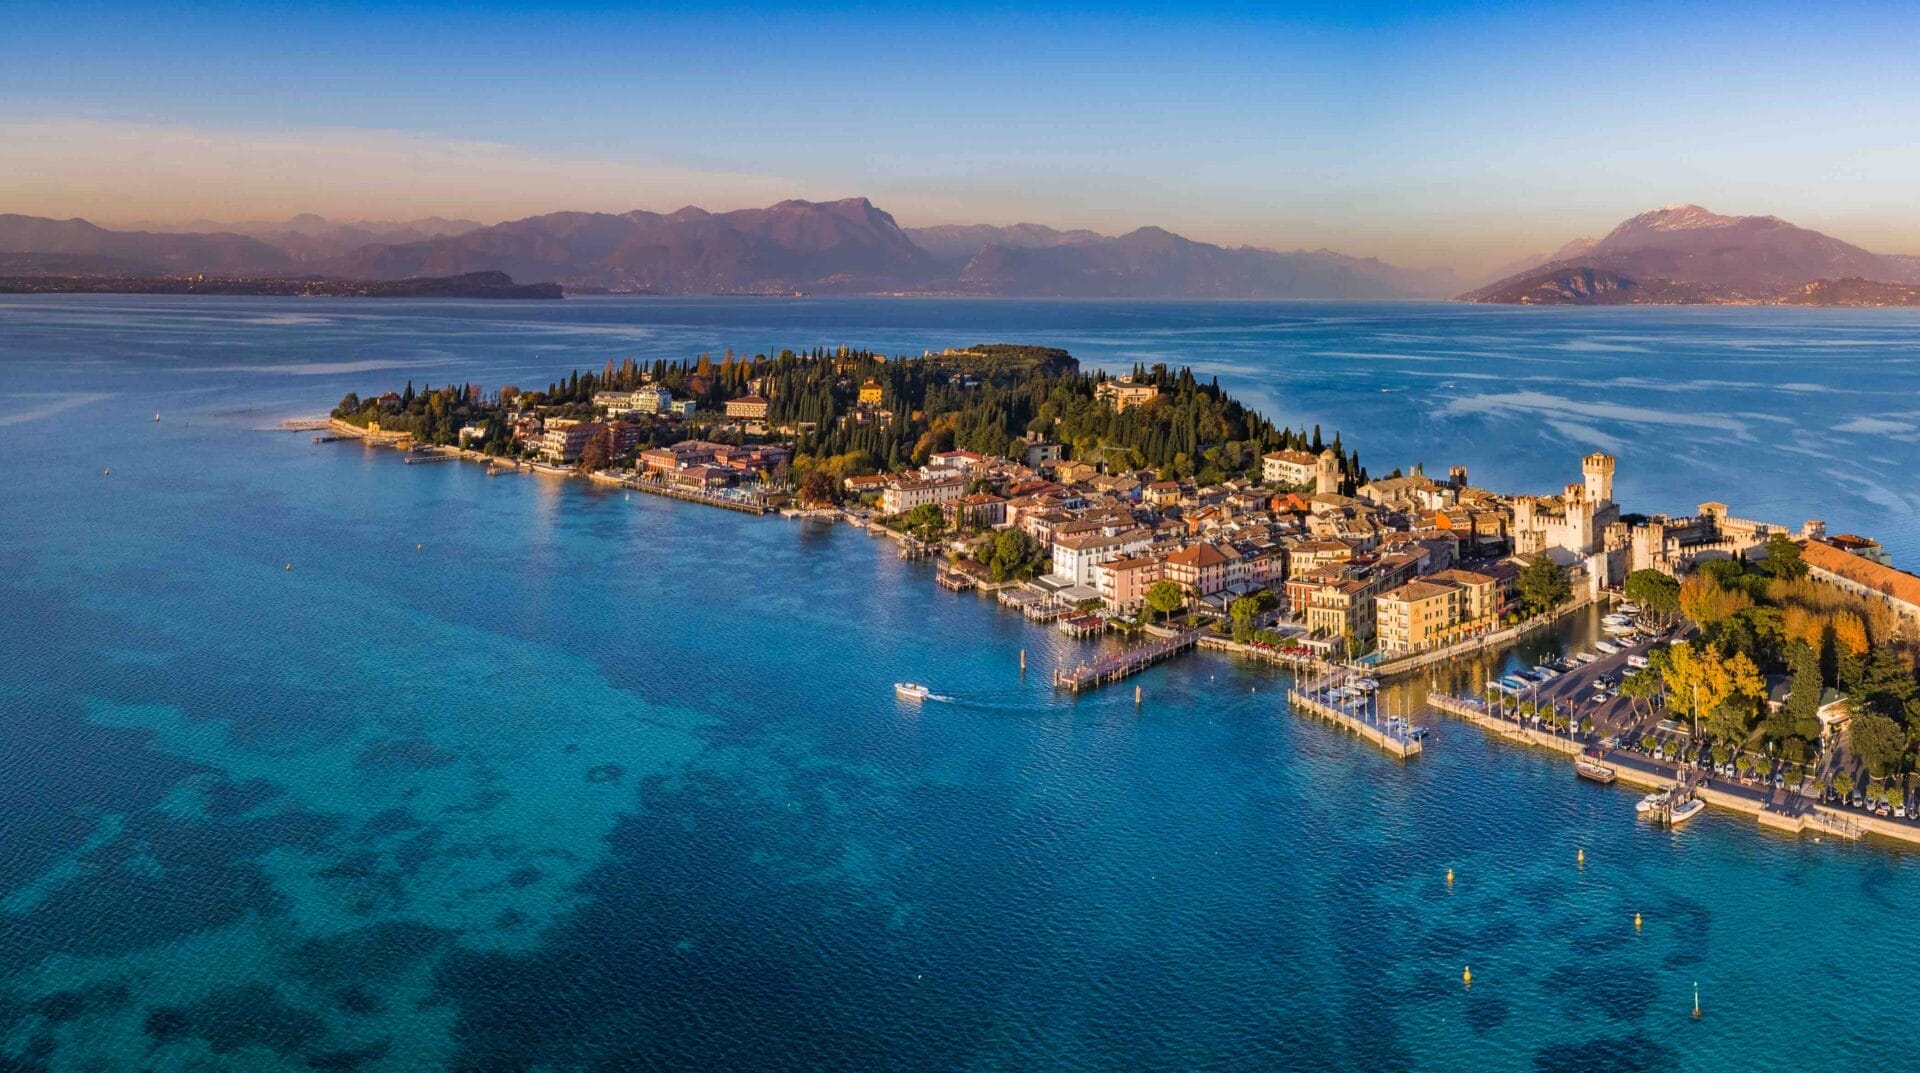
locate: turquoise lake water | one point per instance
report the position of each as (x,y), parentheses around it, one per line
(591,782)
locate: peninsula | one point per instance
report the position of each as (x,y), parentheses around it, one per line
(1759,666)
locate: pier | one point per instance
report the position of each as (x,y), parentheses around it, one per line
(1132,661)
(1329,699)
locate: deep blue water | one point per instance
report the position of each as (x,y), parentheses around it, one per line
(590,782)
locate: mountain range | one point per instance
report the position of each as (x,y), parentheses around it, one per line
(1684,254)
(1678,254)
(839,247)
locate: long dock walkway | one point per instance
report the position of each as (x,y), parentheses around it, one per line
(1120,665)
(1396,741)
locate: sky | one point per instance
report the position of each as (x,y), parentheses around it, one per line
(1459,134)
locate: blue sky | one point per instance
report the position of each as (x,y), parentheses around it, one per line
(1451,133)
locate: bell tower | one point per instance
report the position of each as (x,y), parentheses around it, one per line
(1598,470)
(1326,479)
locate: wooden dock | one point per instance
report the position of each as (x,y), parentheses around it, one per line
(1132,661)
(1400,743)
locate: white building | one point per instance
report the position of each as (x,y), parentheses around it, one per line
(902,496)
(1074,557)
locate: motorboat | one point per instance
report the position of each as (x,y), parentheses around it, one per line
(1607,646)
(1687,811)
(1585,657)
(1588,768)
(911,691)
(1653,802)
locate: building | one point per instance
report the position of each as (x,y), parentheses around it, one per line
(1416,615)
(1123,583)
(748,407)
(1041,450)
(1436,610)
(1574,522)
(957,461)
(1124,395)
(1330,473)
(1867,578)
(981,510)
(1201,568)
(683,407)
(902,495)
(872,393)
(566,443)
(681,455)
(1075,555)
(1289,467)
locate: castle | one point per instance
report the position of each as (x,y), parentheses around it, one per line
(1576,521)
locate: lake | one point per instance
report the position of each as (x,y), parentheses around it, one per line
(311,759)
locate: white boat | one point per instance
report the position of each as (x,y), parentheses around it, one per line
(1687,812)
(1585,657)
(1650,803)
(1629,609)
(1622,630)
(1636,661)
(1607,646)
(911,690)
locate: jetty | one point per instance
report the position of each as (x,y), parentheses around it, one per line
(1326,699)
(1113,668)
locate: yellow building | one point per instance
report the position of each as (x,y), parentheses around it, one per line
(1123,395)
(871,393)
(1436,610)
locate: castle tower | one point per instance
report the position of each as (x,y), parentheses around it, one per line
(1326,480)
(1598,470)
(1457,476)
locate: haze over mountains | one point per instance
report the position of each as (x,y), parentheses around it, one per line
(1687,254)
(1678,254)
(840,247)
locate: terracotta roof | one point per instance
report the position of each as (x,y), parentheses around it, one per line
(1898,584)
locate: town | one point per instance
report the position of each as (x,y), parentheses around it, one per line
(1778,658)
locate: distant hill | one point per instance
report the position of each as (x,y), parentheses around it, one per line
(1686,254)
(1155,263)
(959,243)
(1854,292)
(472,285)
(220,252)
(840,246)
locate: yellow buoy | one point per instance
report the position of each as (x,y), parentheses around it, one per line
(1466,976)
(1581,858)
(1636,922)
(1449,877)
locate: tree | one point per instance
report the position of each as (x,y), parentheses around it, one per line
(1654,591)
(1705,601)
(1165,597)
(819,488)
(1877,741)
(1542,584)
(1783,558)
(1724,690)
(1802,710)
(1244,610)
(593,457)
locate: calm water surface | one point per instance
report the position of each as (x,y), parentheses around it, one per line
(514,773)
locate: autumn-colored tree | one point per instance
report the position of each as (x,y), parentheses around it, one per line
(1727,690)
(1849,633)
(1705,601)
